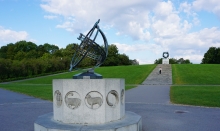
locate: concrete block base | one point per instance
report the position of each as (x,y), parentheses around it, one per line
(131,122)
(165,61)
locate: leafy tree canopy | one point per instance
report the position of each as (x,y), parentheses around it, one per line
(212,56)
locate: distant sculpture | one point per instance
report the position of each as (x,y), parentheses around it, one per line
(89,48)
(165,54)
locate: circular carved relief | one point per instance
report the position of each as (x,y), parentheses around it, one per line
(93,100)
(58,98)
(165,54)
(122,96)
(72,100)
(112,98)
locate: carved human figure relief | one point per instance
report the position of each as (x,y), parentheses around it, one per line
(93,100)
(122,96)
(112,98)
(72,100)
(58,98)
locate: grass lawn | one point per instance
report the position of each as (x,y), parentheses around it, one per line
(196,74)
(196,95)
(131,74)
(42,87)
(205,76)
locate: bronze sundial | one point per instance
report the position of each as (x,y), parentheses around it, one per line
(91,49)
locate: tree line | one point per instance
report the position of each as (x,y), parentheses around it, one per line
(26,59)
(173,61)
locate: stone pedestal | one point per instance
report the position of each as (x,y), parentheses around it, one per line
(165,61)
(88,101)
(97,103)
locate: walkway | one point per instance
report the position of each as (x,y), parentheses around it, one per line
(165,78)
(151,100)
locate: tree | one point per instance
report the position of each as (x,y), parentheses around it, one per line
(20,55)
(124,59)
(10,51)
(212,56)
(173,61)
(24,46)
(41,50)
(3,52)
(159,61)
(112,58)
(50,48)
(182,61)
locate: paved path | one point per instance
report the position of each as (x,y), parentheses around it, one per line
(151,100)
(165,78)
(18,112)
(158,114)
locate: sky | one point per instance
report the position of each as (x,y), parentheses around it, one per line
(142,29)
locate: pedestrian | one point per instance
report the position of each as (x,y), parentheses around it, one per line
(160,70)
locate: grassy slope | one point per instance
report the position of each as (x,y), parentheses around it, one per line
(196,95)
(131,74)
(42,87)
(193,74)
(196,75)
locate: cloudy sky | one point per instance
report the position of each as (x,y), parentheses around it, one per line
(142,29)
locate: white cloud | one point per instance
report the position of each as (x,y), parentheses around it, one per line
(149,52)
(163,9)
(159,25)
(125,48)
(50,16)
(208,5)
(129,17)
(7,35)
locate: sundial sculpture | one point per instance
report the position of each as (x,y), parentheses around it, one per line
(89,48)
(88,102)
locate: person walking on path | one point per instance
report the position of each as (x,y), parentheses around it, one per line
(160,70)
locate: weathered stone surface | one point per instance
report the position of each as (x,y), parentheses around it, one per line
(165,61)
(131,122)
(88,101)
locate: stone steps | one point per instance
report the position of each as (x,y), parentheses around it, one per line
(165,78)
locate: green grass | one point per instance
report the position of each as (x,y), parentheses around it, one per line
(47,79)
(35,90)
(42,87)
(196,95)
(131,74)
(205,76)
(196,74)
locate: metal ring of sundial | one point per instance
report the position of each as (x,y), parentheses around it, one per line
(165,54)
(89,48)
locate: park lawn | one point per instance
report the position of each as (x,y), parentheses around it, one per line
(47,79)
(196,95)
(201,80)
(196,74)
(132,74)
(42,87)
(36,90)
